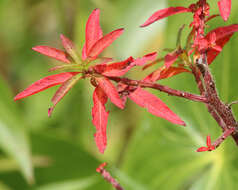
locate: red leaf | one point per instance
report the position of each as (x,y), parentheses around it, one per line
(202,149)
(163,73)
(163,13)
(121,68)
(222,32)
(100,116)
(208,141)
(68,44)
(93,30)
(110,91)
(45,83)
(211,17)
(171,58)
(145,59)
(118,69)
(213,53)
(223,35)
(154,105)
(52,52)
(84,53)
(224,8)
(104,42)
(62,91)
(101,167)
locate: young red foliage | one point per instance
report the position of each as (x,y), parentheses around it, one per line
(93,30)
(163,13)
(45,83)
(154,105)
(171,58)
(62,91)
(209,147)
(163,73)
(67,43)
(118,69)
(104,42)
(224,8)
(53,53)
(146,58)
(94,45)
(114,69)
(110,90)
(223,35)
(100,117)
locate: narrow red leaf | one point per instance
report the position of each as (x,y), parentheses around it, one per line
(52,52)
(45,83)
(154,105)
(110,91)
(213,53)
(202,149)
(224,8)
(163,13)
(171,58)
(100,117)
(163,73)
(222,32)
(119,68)
(223,35)
(208,141)
(104,42)
(62,91)
(211,17)
(93,30)
(146,58)
(84,52)
(101,167)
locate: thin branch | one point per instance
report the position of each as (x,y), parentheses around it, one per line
(232,103)
(223,137)
(107,176)
(160,87)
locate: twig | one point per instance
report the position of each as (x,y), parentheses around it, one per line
(225,134)
(107,176)
(232,103)
(160,87)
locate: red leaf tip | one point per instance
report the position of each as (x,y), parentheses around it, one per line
(101,167)
(50,110)
(209,147)
(202,149)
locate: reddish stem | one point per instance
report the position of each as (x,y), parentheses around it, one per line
(224,136)
(162,88)
(107,176)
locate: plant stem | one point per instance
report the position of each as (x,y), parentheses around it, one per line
(162,88)
(107,176)
(224,135)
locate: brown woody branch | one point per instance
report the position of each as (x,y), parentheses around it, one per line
(221,112)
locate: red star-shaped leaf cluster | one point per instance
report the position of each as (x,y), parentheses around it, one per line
(101,72)
(209,146)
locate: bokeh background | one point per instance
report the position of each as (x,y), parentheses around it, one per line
(144,152)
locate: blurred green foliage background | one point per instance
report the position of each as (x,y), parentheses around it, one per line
(144,152)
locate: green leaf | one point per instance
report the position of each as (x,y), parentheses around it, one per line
(80,184)
(13,136)
(65,166)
